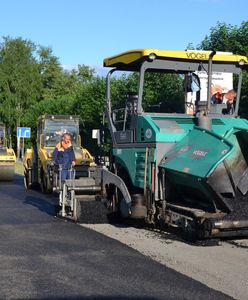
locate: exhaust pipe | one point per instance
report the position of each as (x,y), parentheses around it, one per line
(210,63)
(203,120)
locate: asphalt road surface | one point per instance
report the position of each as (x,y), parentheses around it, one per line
(42,257)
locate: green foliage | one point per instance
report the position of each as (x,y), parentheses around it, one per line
(164,91)
(120,87)
(225,37)
(20,83)
(85,73)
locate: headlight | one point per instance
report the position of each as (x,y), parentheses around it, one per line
(241,62)
(152,56)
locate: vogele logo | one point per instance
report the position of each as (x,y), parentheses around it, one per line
(196,55)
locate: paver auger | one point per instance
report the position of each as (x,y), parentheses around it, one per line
(84,199)
(190,169)
(7,157)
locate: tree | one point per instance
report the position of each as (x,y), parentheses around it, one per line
(89,105)
(225,37)
(164,91)
(55,80)
(85,73)
(20,83)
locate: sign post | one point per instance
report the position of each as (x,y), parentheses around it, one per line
(22,132)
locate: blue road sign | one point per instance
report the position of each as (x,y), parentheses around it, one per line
(23,132)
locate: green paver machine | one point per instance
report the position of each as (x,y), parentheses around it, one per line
(189,169)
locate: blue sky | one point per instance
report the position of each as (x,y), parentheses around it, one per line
(85,32)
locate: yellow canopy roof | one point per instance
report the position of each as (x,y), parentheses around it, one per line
(137,56)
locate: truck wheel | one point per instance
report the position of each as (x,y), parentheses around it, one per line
(27,177)
(26,181)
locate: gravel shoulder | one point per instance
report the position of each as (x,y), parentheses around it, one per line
(223,267)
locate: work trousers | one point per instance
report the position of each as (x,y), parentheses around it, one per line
(66,174)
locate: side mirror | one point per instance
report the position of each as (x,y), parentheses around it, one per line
(96,135)
(191,83)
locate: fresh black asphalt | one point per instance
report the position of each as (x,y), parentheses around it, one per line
(42,257)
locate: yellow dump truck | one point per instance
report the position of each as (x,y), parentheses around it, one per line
(38,167)
(7,157)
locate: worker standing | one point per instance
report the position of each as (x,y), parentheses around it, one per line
(64,156)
